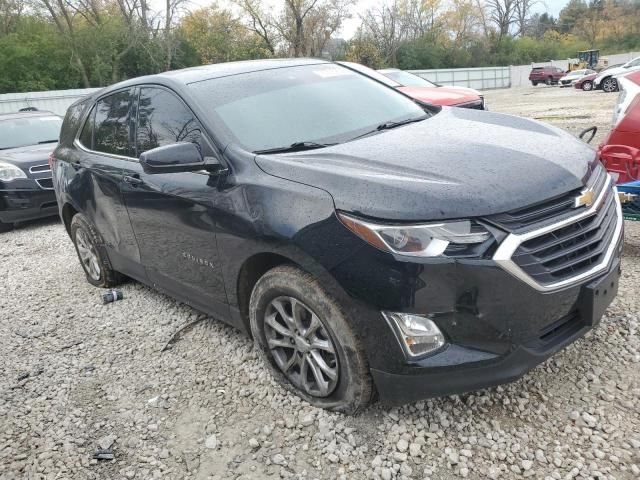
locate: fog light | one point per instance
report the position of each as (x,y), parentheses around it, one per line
(418,335)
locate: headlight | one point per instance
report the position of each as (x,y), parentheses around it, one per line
(428,240)
(10,172)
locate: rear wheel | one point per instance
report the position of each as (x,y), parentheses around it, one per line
(92,254)
(6,227)
(305,338)
(534,83)
(587,86)
(610,85)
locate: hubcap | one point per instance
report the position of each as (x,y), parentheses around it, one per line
(609,85)
(87,254)
(301,346)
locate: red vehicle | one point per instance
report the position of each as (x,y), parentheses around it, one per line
(547,75)
(585,83)
(422,89)
(620,151)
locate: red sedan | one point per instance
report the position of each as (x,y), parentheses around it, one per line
(422,89)
(585,83)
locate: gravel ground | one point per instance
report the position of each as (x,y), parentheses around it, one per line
(77,376)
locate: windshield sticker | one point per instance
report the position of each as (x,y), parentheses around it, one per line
(332,71)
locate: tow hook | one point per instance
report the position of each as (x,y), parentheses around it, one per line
(593,131)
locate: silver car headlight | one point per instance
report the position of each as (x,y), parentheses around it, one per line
(423,240)
(9,172)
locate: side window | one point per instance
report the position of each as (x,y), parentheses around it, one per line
(111,130)
(163,119)
(86,136)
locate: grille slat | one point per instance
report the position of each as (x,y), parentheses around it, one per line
(571,250)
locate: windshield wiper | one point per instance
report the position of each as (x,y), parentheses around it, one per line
(48,141)
(296,147)
(390,125)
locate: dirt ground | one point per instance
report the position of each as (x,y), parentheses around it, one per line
(567,108)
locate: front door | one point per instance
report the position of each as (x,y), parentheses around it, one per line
(172,214)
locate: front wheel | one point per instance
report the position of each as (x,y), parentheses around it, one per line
(587,86)
(548,81)
(305,338)
(610,85)
(92,254)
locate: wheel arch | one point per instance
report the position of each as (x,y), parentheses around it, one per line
(250,272)
(68,212)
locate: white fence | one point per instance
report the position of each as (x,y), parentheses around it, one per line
(480,78)
(56,101)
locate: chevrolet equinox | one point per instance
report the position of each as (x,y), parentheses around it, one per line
(367,243)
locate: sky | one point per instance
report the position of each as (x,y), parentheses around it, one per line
(351,25)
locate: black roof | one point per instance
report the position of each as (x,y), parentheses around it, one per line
(185,76)
(38,113)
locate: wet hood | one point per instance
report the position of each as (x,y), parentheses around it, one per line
(459,163)
(442,95)
(28,156)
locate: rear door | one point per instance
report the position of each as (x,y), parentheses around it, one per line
(105,148)
(173,214)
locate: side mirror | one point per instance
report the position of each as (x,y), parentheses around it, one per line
(177,157)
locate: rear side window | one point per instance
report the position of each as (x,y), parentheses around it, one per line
(86,136)
(164,119)
(111,129)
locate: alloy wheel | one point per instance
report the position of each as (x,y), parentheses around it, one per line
(610,85)
(587,86)
(88,255)
(301,346)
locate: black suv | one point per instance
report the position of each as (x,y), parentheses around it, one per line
(365,241)
(26,187)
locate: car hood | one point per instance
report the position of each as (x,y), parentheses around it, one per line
(611,72)
(459,163)
(448,96)
(28,156)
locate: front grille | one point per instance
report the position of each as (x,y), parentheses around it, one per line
(571,250)
(549,211)
(45,183)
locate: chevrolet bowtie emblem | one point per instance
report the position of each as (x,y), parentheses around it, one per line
(586,198)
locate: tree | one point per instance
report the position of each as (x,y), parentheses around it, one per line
(502,13)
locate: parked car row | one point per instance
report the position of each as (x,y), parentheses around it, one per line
(584,79)
(367,239)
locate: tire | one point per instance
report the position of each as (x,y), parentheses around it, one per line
(610,85)
(88,242)
(285,286)
(5,227)
(534,83)
(587,86)
(548,81)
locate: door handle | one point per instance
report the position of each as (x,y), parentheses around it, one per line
(133,180)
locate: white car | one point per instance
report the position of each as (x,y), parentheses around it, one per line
(607,81)
(572,77)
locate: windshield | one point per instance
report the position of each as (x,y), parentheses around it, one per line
(408,79)
(21,132)
(323,103)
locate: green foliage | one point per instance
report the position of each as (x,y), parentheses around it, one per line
(34,58)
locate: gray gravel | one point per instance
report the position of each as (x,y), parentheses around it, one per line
(78,376)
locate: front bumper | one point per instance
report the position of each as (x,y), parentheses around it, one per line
(24,205)
(460,368)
